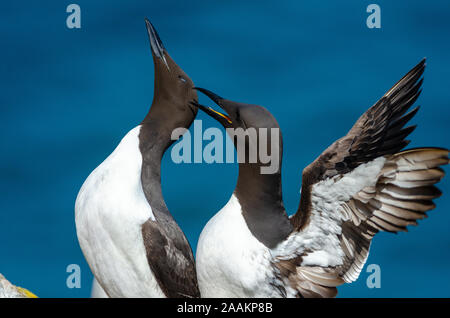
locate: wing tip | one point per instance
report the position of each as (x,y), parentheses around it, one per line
(444,151)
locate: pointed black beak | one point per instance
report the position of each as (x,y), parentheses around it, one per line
(220,117)
(214,97)
(155,42)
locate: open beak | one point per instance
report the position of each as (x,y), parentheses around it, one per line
(220,117)
(155,42)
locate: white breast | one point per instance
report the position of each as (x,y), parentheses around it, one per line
(109,212)
(230,261)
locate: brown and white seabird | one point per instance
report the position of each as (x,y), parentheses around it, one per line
(133,245)
(362,184)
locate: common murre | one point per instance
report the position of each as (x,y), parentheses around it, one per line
(133,245)
(363,183)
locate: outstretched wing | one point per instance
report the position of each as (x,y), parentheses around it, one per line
(360,185)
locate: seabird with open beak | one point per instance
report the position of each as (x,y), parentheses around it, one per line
(133,245)
(362,184)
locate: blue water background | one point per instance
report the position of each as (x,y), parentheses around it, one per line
(69,96)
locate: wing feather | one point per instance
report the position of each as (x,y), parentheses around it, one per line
(171,263)
(362,184)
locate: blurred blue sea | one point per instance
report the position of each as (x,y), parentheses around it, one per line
(69,96)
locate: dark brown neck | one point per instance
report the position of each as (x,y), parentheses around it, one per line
(260,196)
(259,186)
(154,140)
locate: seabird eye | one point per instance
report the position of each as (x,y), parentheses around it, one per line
(182,79)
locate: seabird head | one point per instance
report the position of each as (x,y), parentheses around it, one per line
(172,84)
(237,115)
(247,117)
